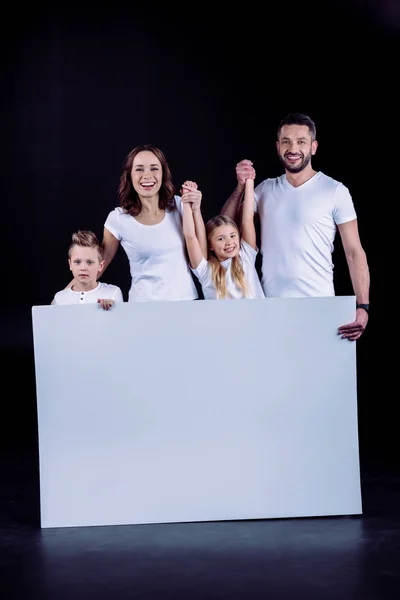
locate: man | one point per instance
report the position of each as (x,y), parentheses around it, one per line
(300,213)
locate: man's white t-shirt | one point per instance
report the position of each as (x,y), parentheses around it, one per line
(298,227)
(103,291)
(247,256)
(157,256)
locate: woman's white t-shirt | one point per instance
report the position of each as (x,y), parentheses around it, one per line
(157,256)
(248,256)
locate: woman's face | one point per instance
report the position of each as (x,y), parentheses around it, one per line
(146,174)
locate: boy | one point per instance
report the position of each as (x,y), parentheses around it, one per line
(85,258)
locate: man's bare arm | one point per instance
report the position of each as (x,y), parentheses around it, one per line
(360,278)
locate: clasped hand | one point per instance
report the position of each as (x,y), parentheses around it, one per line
(191,194)
(245,170)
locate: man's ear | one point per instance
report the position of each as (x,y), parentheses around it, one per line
(69,264)
(314,147)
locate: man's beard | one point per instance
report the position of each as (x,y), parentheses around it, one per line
(304,163)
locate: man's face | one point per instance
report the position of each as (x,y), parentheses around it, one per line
(295,147)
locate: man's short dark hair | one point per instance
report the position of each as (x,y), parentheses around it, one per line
(298,119)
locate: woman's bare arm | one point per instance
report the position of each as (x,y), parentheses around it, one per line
(110,246)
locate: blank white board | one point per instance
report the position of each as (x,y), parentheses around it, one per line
(196,411)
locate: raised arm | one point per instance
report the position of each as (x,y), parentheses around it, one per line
(190,229)
(192,195)
(248,229)
(200,228)
(231,208)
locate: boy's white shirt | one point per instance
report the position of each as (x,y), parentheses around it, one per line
(103,291)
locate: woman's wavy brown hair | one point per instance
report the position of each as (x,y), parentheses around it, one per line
(218,272)
(128,198)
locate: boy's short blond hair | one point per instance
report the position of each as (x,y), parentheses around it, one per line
(86,239)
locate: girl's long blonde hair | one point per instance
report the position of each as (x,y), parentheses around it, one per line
(218,272)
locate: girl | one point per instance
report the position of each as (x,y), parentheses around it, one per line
(229,273)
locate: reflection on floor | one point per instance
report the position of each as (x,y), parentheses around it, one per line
(334,558)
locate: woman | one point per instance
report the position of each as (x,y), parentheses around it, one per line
(148,225)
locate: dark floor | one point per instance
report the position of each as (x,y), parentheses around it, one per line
(335,558)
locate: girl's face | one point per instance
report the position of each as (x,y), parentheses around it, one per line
(85,265)
(225,242)
(146,174)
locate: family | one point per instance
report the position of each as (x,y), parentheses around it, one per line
(168,244)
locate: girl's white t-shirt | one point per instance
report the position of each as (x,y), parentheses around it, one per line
(157,256)
(248,256)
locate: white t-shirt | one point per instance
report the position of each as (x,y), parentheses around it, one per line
(247,255)
(103,291)
(157,256)
(298,227)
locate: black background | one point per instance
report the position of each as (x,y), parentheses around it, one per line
(208,84)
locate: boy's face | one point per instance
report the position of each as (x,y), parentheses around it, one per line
(85,265)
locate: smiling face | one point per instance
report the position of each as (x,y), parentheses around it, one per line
(295,147)
(224,240)
(86,265)
(146,174)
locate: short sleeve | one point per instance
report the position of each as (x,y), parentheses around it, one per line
(247,252)
(257,193)
(202,271)
(118,297)
(344,210)
(113,223)
(179,204)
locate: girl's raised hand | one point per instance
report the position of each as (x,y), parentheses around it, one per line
(191,194)
(189,185)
